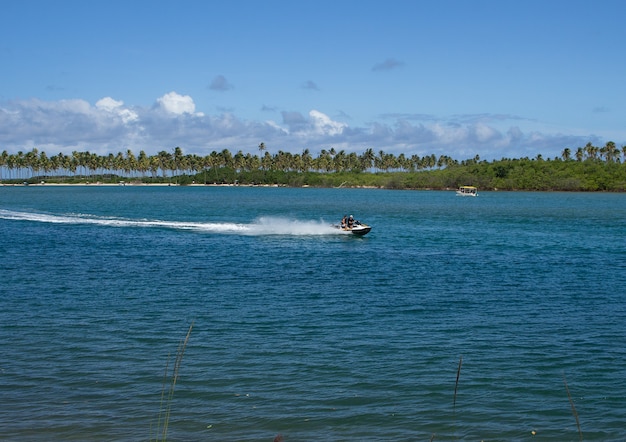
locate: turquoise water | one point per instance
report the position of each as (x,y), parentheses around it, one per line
(304,331)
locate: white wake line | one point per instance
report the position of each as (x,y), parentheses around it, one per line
(261,226)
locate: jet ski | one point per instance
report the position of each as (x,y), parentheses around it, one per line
(358,228)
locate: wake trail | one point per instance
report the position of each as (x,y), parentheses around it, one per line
(261,226)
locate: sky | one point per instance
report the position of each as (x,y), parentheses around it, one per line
(493,78)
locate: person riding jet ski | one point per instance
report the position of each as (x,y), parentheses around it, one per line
(351,222)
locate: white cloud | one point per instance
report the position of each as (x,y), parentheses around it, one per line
(322,124)
(449,134)
(108,104)
(276,126)
(72,106)
(485,133)
(112,126)
(177,104)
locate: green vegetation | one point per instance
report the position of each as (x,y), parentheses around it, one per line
(590,168)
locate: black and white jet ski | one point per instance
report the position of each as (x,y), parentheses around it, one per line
(350,225)
(357,229)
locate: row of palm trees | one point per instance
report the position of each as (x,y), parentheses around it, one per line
(35,164)
(609,152)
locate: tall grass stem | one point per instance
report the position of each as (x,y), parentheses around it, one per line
(571,401)
(165,407)
(456,385)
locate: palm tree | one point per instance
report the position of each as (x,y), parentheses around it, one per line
(307,160)
(4,157)
(143,163)
(44,163)
(15,162)
(353,163)
(266,161)
(155,164)
(131,162)
(610,152)
(415,163)
(591,151)
(165,161)
(325,161)
(580,154)
(226,158)
(566,154)
(239,161)
(367,159)
(339,161)
(32,161)
(379,161)
(177,160)
(93,163)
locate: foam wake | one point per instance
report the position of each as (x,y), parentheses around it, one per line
(261,226)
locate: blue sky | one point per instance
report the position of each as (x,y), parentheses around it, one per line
(450,77)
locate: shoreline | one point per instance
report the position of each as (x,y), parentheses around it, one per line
(140,184)
(135,184)
(99,184)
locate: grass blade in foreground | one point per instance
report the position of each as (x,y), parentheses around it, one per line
(456,385)
(569,396)
(165,408)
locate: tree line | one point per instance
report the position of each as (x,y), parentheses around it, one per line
(573,168)
(164,163)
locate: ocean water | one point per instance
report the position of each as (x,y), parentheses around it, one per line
(306,332)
